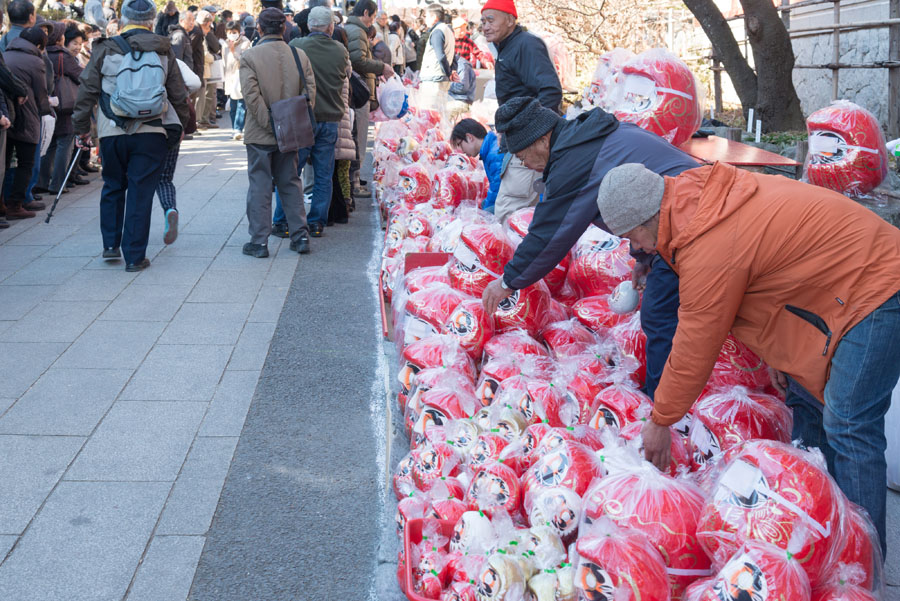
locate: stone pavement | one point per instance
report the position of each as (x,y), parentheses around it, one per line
(124,394)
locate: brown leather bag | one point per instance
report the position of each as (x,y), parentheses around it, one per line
(292,118)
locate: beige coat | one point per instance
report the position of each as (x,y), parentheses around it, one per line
(345,149)
(268,74)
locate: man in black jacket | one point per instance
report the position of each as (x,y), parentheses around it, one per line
(523,69)
(573,157)
(166,19)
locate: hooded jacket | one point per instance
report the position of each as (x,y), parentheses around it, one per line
(181,45)
(493,159)
(524,68)
(26,63)
(268,74)
(165,22)
(787,267)
(582,151)
(361,52)
(100,76)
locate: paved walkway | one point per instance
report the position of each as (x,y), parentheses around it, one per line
(123,395)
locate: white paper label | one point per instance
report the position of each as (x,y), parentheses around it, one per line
(639,86)
(416,330)
(819,144)
(741,478)
(466,257)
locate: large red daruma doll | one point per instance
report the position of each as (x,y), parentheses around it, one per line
(571,464)
(726,419)
(494,487)
(415,182)
(847,153)
(772,492)
(450,188)
(756,572)
(518,224)
(594,313)
(443,310)
(528,309)
(666,510)
(660,95)
(598,267)
(619,405)
(619,564)
(737,365)
(482,253)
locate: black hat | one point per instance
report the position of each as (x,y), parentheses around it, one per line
(522,121)
(270,16)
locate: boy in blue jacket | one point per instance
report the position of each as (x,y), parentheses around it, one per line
(471,138)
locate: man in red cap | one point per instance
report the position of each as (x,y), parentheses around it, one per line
(523,69)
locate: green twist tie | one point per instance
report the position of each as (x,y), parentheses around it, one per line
(789,555)
(451,497)
(570,428)
(451,443)
(481,513)
(495,429)
(434,549)
(565,565)
(424,538)
(412,494)
(514,542)
(471,581)
(546,421)
(434,572)
(549,570)
(501,551)
(508,406)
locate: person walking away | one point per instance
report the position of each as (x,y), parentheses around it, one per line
(235,46)
(23,57)
(756,256)
(395,43)
(330,64)
(573,158)
(462,91)
(21,17)
(523,69)
(262,84)
(435,74)
(133,149)
(368,67)
(472,139)
(198,60)
(166,20)
(67,71)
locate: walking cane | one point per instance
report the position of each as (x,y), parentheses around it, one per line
(63,185)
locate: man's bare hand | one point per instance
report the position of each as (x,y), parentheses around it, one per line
(454,76)
(493,295)
(388,72)
(779,380)
(639,276)
(657,445)
(4,123)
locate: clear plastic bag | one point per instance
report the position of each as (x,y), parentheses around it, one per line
(847,151)
(393,98)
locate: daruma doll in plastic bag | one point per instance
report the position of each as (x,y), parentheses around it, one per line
(528,308)
(494,487)
(728,418)
(415,181)
(666,510)
(449,188)
(847,153)
(774,493)
(599,265)
(571,464)
(737,365)
(660,94)
(756,572)
(482,253)
(619,564)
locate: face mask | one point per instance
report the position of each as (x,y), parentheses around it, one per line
(234,37)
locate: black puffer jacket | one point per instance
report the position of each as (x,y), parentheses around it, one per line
(524,68)
(24,60)
(582,151)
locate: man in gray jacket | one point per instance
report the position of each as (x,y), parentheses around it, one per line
(436,72)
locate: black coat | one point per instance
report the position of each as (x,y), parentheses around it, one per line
(197,39)
(163,22)
(181,45)
(524,68)
(582,152)
(24,60)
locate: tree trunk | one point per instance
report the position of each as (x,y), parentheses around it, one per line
(726,50)
(777,103)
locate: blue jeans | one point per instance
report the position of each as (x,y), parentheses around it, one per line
(849,429)
(238,110)
(323,164)
(659,319)
(36,169)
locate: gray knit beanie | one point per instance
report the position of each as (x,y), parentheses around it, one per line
(138,10)
(522,121)
(629,195)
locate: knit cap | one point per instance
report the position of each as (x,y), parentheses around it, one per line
(629,195)
(138,10)
(522,121)
(320,16)
(504,6)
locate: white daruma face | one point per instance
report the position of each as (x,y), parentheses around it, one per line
(624,298)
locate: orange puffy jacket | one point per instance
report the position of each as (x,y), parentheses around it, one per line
(786,266)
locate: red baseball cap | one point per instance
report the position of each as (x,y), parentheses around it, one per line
(504,6)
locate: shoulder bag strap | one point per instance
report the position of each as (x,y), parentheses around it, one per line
(300,70)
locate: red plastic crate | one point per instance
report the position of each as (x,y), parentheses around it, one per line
(412,535)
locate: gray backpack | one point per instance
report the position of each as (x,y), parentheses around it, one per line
(140,85)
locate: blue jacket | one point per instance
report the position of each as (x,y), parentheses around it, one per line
(493,159)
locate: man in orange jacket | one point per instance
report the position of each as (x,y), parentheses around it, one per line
(805,277)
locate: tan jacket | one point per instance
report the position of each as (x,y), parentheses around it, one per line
(788,267)
(345,149)
(268,74)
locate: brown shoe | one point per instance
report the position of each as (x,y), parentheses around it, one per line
(212,126)
(3,223)
(17,211)
(34,205)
